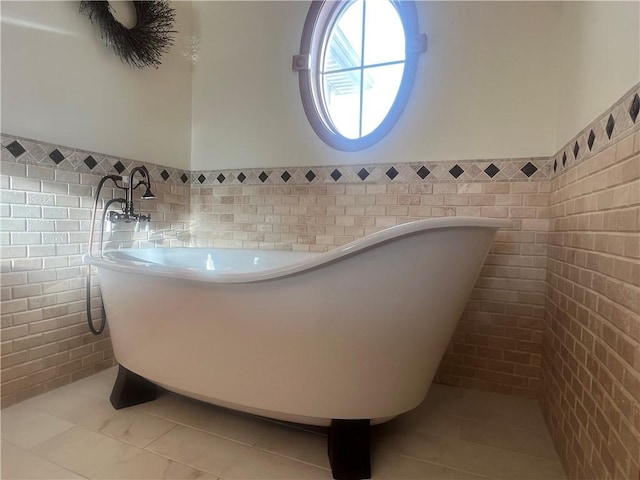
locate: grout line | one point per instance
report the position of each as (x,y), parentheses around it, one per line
(198,429)
(558,462)
(53,461)
(441,465)
(504,424)
(496,423)
(486,446)
(270,452)
(242,444)
(260,437)
(40,457)
(161,436)
(171,459)
(278,454)
(120,441)
(491,446)
(152,441)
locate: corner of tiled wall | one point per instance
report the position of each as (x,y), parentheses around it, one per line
(45,342)
(45,208)
(591,387)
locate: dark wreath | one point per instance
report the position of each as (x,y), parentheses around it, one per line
(143,44)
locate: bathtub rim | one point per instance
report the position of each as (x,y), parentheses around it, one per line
(314,261)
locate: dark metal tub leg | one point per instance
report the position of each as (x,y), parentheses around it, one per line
(349,449)
(131,389)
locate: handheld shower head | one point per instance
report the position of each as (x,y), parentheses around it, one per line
(146,181)
(148,195)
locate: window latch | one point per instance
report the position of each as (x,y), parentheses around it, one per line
(300,62)
(418,44)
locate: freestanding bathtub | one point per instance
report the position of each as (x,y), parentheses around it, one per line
(354,334)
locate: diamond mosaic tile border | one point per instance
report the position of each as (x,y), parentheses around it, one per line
(31,152)
(521,169)
(622,119)
(23,150)
(619,121)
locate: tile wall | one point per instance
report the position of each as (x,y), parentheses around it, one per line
(45,340)
(45,205)
(591,388)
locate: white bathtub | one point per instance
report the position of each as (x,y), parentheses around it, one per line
(355,333)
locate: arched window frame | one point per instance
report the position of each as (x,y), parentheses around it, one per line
(319,21)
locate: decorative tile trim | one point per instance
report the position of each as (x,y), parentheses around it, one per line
(619,121)
(31,152)
(24,150)
(521,169)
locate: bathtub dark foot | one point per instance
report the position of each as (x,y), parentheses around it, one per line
(131,389)
(349,447)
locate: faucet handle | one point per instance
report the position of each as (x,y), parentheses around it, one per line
(128,217)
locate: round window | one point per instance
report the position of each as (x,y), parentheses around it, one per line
(357,63)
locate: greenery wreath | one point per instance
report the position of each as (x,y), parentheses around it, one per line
(143,44)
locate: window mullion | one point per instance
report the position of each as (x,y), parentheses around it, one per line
(364,16)
(373,65)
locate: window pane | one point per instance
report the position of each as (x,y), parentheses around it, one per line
(344,49)
(384,39)
(341,95)
(381,85)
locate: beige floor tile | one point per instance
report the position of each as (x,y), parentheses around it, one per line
(18,464)
(256,464)
(455,434)
(298,444)
(26,427)
(506,410)
(203,416)
(459,475)
(86,403)
(98,385)
(75,407)
(438,392)
(388,465)
(469,457)
(96,456)
(427,420)
(488,407)
(513,439)
(135,427)
(198,449)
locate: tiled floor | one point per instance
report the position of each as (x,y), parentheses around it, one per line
(73,432)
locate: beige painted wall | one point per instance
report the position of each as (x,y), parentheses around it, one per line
(499,79)
(599,47)
(61,84)
(482,88)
